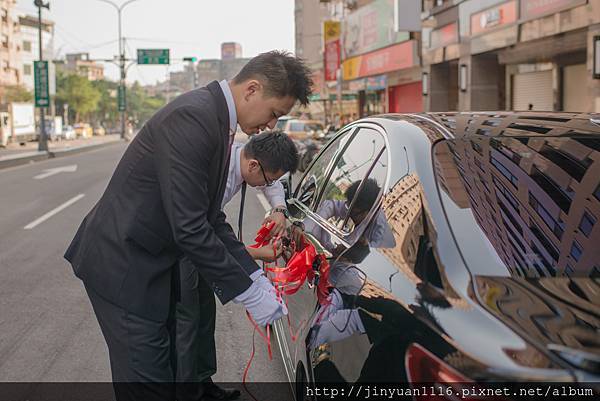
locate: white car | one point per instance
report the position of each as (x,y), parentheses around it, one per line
(69,132)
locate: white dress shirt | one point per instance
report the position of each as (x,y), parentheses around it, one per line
(274,194)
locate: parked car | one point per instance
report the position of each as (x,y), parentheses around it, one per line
(69,132)
(302,129)
(83,130)
(281,122)
(461,247)
(99,130)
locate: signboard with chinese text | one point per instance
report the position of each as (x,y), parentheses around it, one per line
(494,17)
(42,93)
(397,57)
(122,102)
(153,56)
(371,27)
(332,54)
(444,36)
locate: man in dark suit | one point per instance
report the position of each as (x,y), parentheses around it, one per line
(162,203)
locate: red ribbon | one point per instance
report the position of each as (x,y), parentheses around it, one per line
(303,265)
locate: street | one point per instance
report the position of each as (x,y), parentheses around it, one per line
(49,332)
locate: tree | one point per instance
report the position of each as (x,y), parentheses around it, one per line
(140,105)
(79,93)
(106,113)
(15,93)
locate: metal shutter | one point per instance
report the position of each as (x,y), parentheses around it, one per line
(532,88)
(574,88)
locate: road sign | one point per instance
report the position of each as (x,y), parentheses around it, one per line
(42,93)
(121,98)
(153,56)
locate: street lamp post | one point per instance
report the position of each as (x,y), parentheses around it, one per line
(121,57)
(43,140)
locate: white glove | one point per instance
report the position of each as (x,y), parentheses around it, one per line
(262,303)
(330,330)
(262,281)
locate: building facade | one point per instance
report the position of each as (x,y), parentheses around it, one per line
(81,64)
(510,55)
(10,47)
(30,50)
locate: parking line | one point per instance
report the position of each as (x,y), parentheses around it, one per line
(53,212)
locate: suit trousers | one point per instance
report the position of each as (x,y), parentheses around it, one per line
(141,351)
(195,338)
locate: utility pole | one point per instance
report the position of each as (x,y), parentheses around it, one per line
(122,69)
(43,140)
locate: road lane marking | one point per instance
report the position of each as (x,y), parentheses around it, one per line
(53,212)
(263,201)
(52,171)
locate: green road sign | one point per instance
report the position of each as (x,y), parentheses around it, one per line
(153,56)
(121,98)
(42,94)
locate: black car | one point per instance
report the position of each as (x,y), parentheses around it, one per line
(461,247)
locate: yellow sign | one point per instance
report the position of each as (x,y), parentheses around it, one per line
(350,68)
(331,30)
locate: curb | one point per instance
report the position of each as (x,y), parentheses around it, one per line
(30,157)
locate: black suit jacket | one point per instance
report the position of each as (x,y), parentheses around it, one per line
(164,202)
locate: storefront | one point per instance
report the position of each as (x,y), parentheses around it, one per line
(440,62)
(369,75)
(546,69)
(406,98)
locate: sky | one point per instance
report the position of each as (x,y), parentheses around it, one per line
(187,27)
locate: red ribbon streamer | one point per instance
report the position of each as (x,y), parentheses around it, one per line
(303,265)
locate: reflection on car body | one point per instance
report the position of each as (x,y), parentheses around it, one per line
(475,257)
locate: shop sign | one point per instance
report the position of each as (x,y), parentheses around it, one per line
(371,27)
(332,54)
(357,85)
(444,36)
(331,30)
(332,60)
(376,83)
(538,8)
(494,17)
(391,58)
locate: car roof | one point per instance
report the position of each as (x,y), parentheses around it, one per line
(510,123)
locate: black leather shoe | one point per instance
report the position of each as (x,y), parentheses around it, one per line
(214,392)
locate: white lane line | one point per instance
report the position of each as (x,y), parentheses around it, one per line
(53,212)
(263,201)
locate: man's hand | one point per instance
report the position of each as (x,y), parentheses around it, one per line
(297,235)
(279,220)
(267,253)
(261,301)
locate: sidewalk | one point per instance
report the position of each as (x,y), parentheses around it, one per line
(15,154)
(15,148)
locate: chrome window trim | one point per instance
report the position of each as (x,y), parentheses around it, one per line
(337,234)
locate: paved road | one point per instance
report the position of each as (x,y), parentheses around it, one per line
(47,329)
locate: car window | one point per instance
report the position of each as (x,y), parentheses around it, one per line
(313,181)
(346,198)
(281,123)
(296,126)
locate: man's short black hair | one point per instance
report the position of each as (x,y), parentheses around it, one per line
(281,73)
(367,196)
(274,150)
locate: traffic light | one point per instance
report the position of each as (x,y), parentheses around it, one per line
(192,59)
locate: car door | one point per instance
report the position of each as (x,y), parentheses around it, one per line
(335,201)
